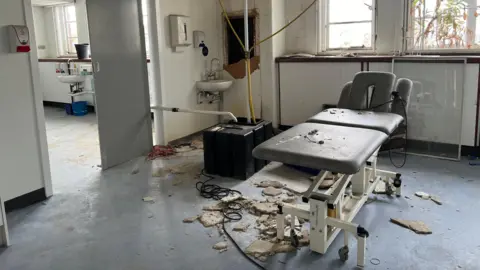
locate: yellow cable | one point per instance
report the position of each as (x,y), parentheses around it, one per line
(283,28)
(247,53)
(231,26)
(250,98)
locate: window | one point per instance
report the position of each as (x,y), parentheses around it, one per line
(348,24)
(444,24)
(66,29)
(71,28)
(66,25)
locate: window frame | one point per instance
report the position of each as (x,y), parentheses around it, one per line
(409,38)
(324,32)
(61,31)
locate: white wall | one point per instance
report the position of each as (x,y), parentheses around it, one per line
(40,31)
(182,69)
(302,36)
(20,140)
(82,21)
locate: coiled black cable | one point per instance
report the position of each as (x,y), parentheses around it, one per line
(232,210)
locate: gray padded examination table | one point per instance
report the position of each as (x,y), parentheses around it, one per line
(381,121)
(326,147)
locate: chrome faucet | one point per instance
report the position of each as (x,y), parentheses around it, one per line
(212,74)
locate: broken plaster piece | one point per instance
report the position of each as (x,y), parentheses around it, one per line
(231,198)
(416,226)
(260,248)
(271,191)
(422,195)
(263,218)
(241,228)
(269,183)
(148,199)
(213,207)
(220,246)
(209,219)
(265,208)
(190,219)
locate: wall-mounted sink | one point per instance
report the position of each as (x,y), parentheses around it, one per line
(71,79)
(213,85)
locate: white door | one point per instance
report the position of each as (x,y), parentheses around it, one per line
(121,79)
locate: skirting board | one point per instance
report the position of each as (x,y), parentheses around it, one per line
(4,238)
(25,200)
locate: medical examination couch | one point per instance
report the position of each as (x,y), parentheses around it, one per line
(343,143)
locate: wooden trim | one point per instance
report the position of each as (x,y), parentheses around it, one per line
(25,200)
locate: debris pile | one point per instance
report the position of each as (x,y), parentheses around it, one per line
(161,151)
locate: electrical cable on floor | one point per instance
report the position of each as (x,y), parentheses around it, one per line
(403,102)
(404,105)
(232,211)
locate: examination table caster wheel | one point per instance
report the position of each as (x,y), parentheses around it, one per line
(343,253)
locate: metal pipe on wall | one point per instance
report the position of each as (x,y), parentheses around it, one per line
(247,48)
(172,109)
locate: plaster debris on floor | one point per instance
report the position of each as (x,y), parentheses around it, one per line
(416,226)
(259,218)
(190,219)
(422,195)
(271,191)
(220,246)
(148,199)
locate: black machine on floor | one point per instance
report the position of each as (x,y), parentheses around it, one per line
(228,148)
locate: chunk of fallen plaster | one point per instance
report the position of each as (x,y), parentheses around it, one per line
(190,219)
(436,200)
(422,195)
(269,183)
(263,218)
(220,246)
(271,191)
(241,227)
(231,198)
(417,226)
(148,199)
(265,208)
(213,207)
(326,184)
(283,248)
(260,248)
(289,199)
(209,219)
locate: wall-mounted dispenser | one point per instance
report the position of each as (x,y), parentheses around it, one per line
(19,37)
(180,34)
(198,38)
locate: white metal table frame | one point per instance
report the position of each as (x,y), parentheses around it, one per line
(331,211)
(4,238)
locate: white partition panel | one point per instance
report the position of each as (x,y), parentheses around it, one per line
(436,104)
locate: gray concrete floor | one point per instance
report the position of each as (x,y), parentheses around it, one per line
(97,220)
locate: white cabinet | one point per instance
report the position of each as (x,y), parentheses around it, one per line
(53,90)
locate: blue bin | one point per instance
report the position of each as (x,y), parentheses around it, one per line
(68,109)
(79,108)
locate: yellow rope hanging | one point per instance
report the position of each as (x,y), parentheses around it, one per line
(247,53)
